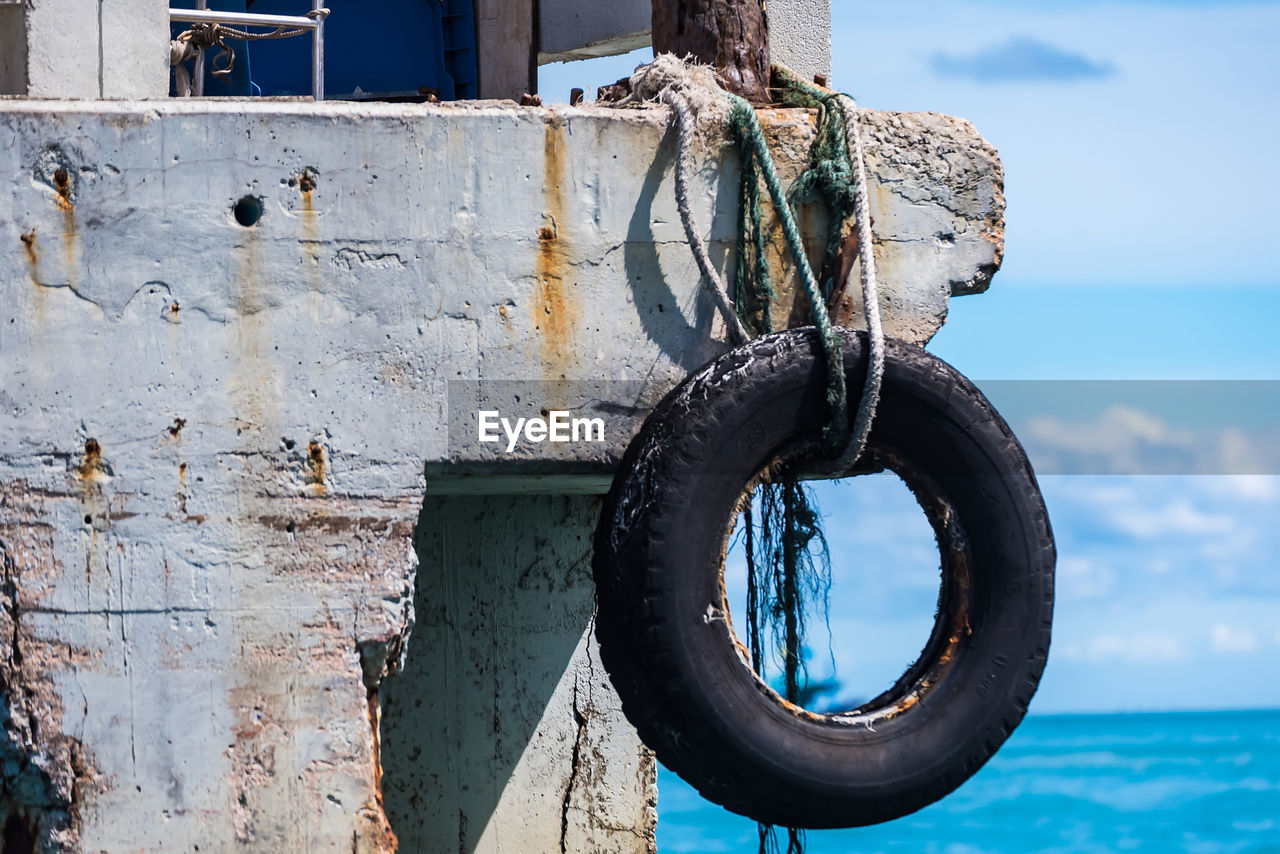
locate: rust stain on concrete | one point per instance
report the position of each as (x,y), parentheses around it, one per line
(315,468)
(62,188)
(28,239)
(306,182)
(62,185)
(92,471)
(378,835)
(555,310)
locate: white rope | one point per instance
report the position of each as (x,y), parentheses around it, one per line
(684,138)
(870,294)
(180,51)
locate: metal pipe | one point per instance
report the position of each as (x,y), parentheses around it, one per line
(318,13)
(247,19)
(197,83)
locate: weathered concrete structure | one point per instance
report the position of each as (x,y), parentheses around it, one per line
(262,587)
(218,437)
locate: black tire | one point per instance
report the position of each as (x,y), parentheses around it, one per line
(685,682)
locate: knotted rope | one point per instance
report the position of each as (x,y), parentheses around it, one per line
(788,569)
(203,36)
(836,172)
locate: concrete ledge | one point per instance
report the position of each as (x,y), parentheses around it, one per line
(218,437)
(400,248)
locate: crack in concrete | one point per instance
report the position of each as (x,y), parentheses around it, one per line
(43,771)
(575,766)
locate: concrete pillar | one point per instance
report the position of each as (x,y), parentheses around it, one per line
(568,29)
(503,732)
(135,49)
(800,35)
(85,49)
(799,31)
(506,48)
(13,48)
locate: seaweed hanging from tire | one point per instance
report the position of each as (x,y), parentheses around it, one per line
(788,577)
(690,686)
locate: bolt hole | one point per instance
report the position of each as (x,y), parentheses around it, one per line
(19,837)
(88,520)
(248,211)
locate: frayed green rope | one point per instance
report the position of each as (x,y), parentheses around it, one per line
(830,175)
(745,128)
(792,561)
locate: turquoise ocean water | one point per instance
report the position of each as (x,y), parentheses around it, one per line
(1203,783)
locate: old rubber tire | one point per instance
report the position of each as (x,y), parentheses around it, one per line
(670,648)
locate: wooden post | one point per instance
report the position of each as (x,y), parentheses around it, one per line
(506,48)
(732,35)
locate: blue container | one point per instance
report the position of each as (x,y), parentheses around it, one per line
(395,48)
(237,83)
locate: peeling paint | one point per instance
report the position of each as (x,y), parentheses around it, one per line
(554,306)
(28,239)
(46,776)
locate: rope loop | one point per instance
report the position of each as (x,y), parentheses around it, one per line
(203,36)
(836,173)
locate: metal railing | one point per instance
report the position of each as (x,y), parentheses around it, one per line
(313,20)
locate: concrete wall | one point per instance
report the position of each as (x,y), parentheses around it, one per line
(13,48)
(800,35)
(503,643)
(219,440)
(85,49)
(506,48)
(569,29)
(799,31)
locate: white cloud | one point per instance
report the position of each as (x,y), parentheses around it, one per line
(1122,439)
(1245,487)
(1176,519)
(1119,440)
(1084,578)
(1134,649)
(1232,639)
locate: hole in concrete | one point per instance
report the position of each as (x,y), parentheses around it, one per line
(248,211)
(18,836)
(88,520)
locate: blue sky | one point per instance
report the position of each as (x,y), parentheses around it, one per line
(1138,146)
